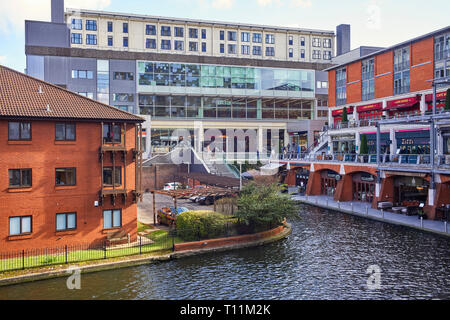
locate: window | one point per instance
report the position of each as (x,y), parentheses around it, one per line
(65,176)
(302,41)
(222,35)
(232,36)
(77,24)
(179,32)
(66,221)
(111,133)
(270,51)
(150,30)
(76,38)
(193,33)
(110,41)
(222,48)
(112,219)
(91,39)
(341,86)
(270,38)
(291,40)
(203,46)
(82,74)
(65,131)
(257,37)
(327,43)
(108,176)
(203,33)
(291,53)
(193,46)
(110,26)
(165,44)
(322,85)
(245,36)
(20,178)
(316,42)
(327,55)
(91,25)
(19,131)
(232,48)
(123,97)
(123,76)
(316,54)
(257,50)
(150,43)
(125,27)
(245,50)
(89,95)
(165,31)
(302,53)
(179,45)
(20,225)
(125,42)
(401,70)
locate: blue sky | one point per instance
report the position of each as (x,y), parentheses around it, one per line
(373,22)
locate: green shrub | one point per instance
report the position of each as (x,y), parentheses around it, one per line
(196,225)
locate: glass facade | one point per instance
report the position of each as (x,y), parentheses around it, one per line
(198,107)
(103,81)
(213,79)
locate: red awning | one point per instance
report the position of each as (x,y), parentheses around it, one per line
(337,113)
(438,106)
(370,107)
(439,96)
(402,103)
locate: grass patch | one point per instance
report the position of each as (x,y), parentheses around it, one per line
(142,227)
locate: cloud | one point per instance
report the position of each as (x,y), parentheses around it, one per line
(265,3)
(222,4)
(13,13)
(302,3)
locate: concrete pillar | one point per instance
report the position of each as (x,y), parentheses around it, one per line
(357,141)
(431,197)
(286,137)
(423,105)
(260,147)
(199,136)
(393,146)
(385,113)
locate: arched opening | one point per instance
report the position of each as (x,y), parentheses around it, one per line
(301,179)
(328,182)
(410,191)
(363,186)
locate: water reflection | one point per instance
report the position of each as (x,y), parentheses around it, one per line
(326,257)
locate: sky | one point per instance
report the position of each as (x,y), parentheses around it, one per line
(373,22)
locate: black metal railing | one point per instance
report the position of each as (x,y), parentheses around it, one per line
(101,250)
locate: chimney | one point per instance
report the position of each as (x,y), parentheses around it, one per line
(342,39)
(58,11)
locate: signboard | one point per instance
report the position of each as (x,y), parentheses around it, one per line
(402,103)
(339,112)
(370,107)
(439,96)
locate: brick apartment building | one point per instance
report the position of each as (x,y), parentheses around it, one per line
(70,167)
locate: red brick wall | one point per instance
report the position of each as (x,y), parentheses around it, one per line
(354,89)
(384,85)
(422,52)
(156,176)
(44,200)
(332,88)
(227,241)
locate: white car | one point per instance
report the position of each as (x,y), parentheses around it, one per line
(172,186)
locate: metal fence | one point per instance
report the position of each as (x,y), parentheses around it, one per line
(102,250)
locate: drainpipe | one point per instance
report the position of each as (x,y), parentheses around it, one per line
(431,190)
(378,184)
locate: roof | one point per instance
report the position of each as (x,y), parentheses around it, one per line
(198,22)
(23,96)
(396,46)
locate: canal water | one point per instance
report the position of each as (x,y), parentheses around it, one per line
(326,257)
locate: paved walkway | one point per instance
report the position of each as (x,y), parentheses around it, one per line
(363,209)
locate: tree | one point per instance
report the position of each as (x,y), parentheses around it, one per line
(364,148)
(344,115)
(261,206)
(447,101)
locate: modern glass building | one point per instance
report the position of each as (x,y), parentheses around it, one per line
(189,74)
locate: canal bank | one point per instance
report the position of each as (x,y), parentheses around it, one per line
(364,210)
(325,258)
(181,251)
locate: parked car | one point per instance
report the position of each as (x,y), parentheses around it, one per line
(172,186)
(209,200)
(168,216)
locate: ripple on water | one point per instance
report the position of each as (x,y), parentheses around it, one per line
(325,257)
